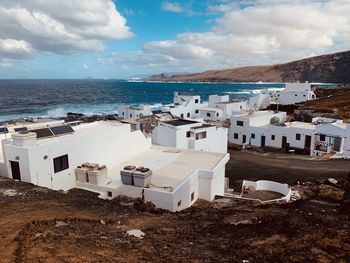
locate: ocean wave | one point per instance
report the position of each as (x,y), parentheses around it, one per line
(251,91)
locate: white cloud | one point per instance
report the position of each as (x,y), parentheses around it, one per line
(260,32)
(172,7)
(63,27)
(6,62)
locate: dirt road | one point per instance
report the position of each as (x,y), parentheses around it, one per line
(251,165)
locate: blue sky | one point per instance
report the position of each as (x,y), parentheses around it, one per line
(130,38)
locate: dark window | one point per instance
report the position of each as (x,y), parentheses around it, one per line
(235,136)
(298,136)
(3,130)
(252,135)
(130,115)
(295,95)
(217,114)
(201,135)
(188,134)
(273,137)
(192,196)
(60,163)
(304,95)
(188,115)
(240,123)
(322,137)
(196,101)
(182,116)
(196,111)
(208,114)
(123,113)
(179,203)
(109,194)
(240,107)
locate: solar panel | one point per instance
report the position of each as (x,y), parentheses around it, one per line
(64,129)
(21,129)
(42,133)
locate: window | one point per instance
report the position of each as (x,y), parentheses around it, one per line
(196,111)
(273,137)
(188,134)
(201,135)
(322,137)
(130,115)
(298,136)
(182,116)
(252,135)
(196,100)
(109,194)
(240,107)
(188,115)
(123,113)
(179,203)
(304,95)
(208,114)
(60,163)
(192,196)
(235,136)
(217,114)
(296,95)
(240,123)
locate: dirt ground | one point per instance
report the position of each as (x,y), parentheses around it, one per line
(40,225)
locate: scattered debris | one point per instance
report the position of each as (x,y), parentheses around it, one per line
(60,223)
(136,233)
(332,181)
(9,192)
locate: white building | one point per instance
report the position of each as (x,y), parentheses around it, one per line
(291,94)
(55,157)
(243,126)
(181,133)
(185,105)
(297,135)
(126,112)
(221,108)
(331,137)
(186,134)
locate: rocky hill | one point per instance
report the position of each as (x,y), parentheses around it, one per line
(331,68)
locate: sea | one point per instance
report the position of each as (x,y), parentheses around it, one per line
(55,98)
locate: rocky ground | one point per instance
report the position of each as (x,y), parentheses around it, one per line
(40,225)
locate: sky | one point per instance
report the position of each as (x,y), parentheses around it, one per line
(136,38)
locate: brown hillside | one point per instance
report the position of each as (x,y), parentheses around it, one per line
(332,68)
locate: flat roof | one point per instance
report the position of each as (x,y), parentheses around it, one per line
(210,109)
(180,122)
(293,124)
(299,124)
(254,114)
(170,166)
(203,126)
(230,102)
(83,129)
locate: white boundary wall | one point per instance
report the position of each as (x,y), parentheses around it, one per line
(265,185)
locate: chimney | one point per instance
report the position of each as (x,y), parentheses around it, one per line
(24,139)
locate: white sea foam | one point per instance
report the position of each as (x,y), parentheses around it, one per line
(251,91)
